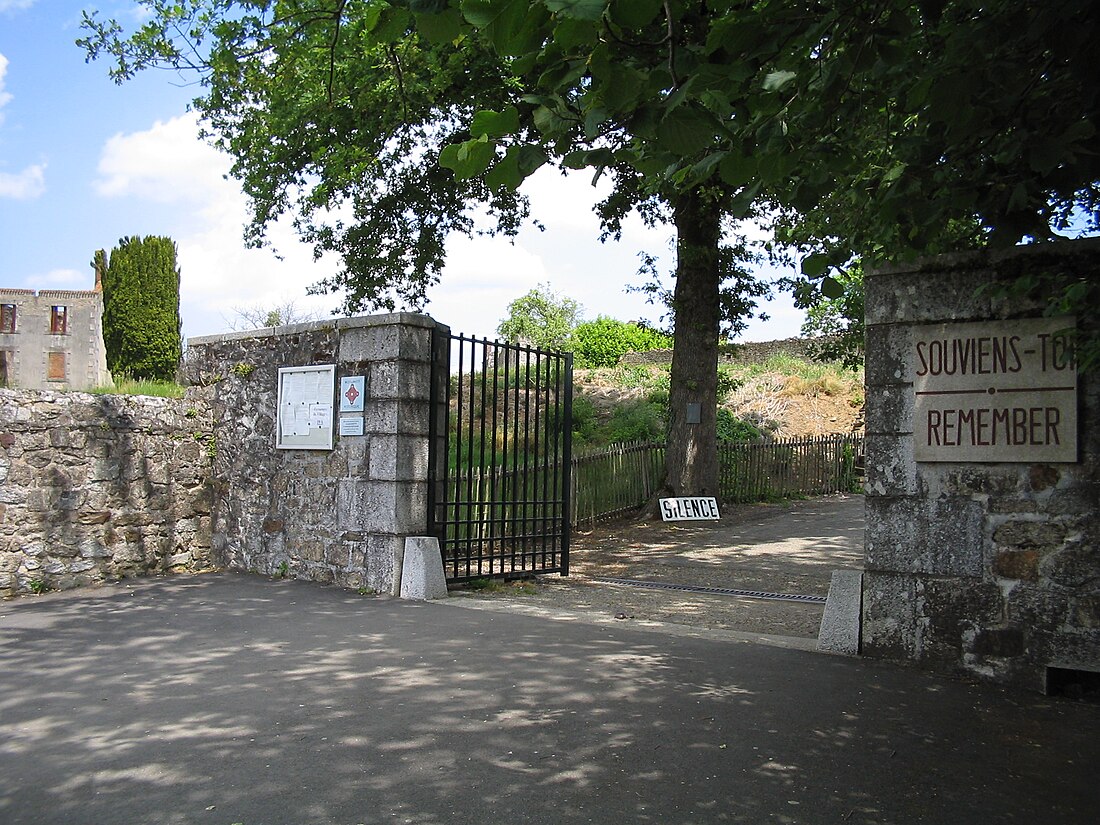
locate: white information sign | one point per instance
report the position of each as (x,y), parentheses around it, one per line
(351,425)
(689,508)
(305,406)
(995,391)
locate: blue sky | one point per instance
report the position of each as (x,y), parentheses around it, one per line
(84,162)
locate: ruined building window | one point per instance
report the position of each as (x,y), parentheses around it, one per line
(55,366)
(7,367)
(7,317)
(59,320)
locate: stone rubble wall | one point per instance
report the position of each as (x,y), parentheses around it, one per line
(744,352)
(981,569)
(98,488)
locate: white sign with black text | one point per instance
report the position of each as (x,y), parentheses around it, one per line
(689,508)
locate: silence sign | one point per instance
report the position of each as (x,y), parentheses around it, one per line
(689,508)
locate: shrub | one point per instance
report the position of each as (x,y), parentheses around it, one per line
(638,421)
(733,429)
(601,343)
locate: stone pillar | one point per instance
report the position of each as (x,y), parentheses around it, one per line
(389,500)
(977,566)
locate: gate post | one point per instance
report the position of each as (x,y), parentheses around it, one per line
(388,500)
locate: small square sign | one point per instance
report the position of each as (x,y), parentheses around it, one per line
(352,393)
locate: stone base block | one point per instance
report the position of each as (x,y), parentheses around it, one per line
(422,569)
(839,631)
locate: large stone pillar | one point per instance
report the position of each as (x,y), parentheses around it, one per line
(983,526)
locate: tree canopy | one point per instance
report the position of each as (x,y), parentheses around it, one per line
(862,130)
(541,318)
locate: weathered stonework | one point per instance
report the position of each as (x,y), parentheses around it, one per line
(337,515)
(988,569)
(99,488)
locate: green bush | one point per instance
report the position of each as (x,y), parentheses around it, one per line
(638,421)
(601,343)
(584,419)
(733,429)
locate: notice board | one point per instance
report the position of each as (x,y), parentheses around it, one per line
(306,396)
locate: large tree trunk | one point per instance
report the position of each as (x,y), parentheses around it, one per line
(691,459)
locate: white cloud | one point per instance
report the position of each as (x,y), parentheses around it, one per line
(5,97)
(30,183)
(167,163)
(15,5)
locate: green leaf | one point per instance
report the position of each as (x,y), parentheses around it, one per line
(774,81)
(492,124)
(427,6)
(815,265)
(686,131)
(634,14)
(549,122)
(468,159)
(571,34)
(510,25)
(516,165)
(578,9)
(832,288)
(442,28)
(737,169)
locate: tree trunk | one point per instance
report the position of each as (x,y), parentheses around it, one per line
(691,458)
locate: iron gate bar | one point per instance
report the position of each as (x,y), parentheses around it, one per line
(721,591)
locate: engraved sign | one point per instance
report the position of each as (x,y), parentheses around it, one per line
(995,391)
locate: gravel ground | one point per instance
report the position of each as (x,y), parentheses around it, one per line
(789,548)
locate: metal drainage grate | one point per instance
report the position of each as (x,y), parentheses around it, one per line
(721,591)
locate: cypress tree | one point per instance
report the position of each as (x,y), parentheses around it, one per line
(141,309)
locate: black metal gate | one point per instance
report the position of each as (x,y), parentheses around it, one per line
(498,497)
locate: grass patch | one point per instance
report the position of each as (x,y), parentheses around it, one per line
(130,386)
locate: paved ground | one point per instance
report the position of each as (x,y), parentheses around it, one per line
(228,699)
(789,548)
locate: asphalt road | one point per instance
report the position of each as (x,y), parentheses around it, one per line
(228,699)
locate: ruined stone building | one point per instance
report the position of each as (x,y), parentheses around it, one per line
(52,339)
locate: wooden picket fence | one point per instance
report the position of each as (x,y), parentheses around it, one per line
(624,477)
(789,467)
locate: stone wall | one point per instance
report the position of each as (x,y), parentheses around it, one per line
(97,488)
(338,515)
(746,352)
(988,569)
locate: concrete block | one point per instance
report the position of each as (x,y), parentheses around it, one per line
(888,358)
(891,468)
(840,623)
(422,569)
(942,537)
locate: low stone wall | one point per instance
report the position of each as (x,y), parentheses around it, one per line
(748,352)
(978,567)
(101,487)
